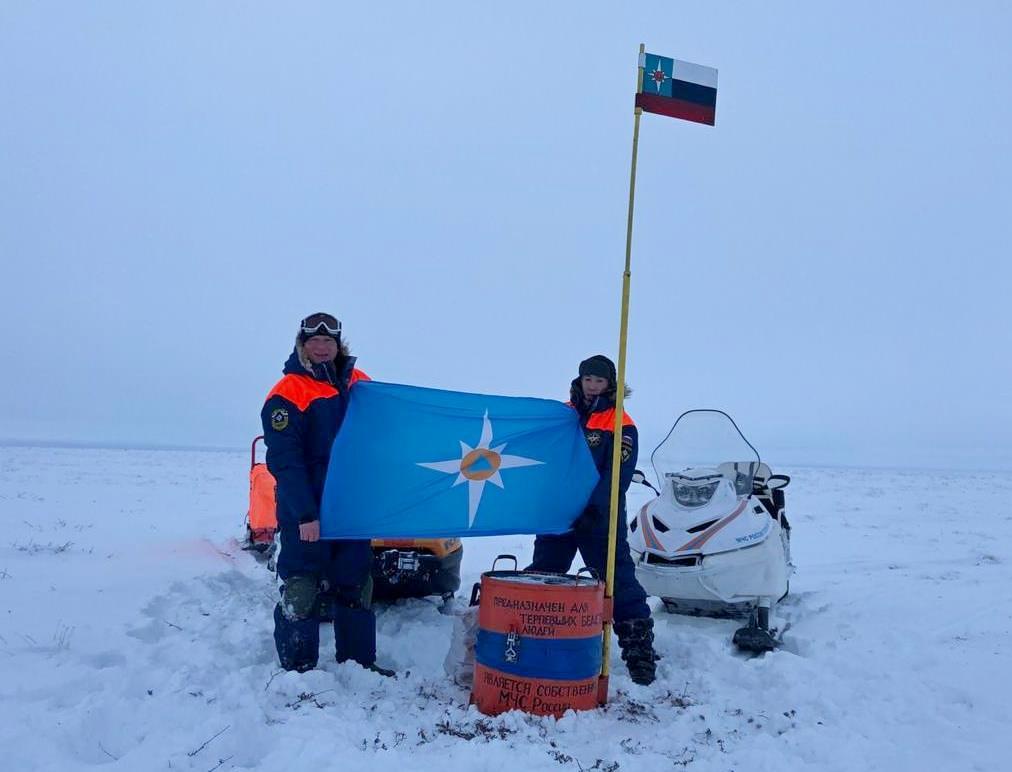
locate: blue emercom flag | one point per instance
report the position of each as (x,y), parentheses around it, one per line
(421,463)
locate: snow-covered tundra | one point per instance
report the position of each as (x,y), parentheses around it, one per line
(136,635)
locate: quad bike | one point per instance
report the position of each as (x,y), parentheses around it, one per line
(716,540)
(402,568)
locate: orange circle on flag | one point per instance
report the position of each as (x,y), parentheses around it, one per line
(475,456)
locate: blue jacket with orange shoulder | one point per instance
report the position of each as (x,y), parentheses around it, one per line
(598,420)
(301,416)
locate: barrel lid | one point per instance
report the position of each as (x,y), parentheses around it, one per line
(542,578)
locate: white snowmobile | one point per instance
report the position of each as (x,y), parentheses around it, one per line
(716,540)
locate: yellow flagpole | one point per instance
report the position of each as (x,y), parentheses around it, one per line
(616,454)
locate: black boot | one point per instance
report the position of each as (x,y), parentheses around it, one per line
(355,634)
(383,671)
(297,641)
(636,639)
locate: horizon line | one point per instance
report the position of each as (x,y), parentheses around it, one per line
(12,442)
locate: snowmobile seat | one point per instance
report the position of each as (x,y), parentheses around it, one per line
(771,498)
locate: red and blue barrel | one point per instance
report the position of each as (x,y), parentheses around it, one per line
(538,647)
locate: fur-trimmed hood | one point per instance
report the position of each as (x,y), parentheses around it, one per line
(335,373)
(576,395)
(343,352)
(603,402)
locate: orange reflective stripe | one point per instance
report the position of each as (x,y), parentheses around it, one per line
(606,420)
(356,376)
(301,390)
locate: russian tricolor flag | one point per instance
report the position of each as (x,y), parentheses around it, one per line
(678,89)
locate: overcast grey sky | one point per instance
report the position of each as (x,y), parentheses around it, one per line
(181,182)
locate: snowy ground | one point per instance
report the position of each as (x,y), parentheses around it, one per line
(135,635)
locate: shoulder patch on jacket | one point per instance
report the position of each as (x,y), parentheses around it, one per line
(279,419)
(627,446)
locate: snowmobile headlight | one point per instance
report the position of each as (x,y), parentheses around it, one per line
(694,493)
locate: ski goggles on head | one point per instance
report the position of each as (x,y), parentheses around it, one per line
(321,324)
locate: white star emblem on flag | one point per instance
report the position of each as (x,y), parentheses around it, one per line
(479,465)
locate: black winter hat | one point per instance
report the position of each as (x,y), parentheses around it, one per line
(600,366)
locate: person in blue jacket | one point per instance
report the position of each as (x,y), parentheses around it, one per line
(592,395)
(301,416)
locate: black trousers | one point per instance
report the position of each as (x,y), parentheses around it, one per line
(555,553)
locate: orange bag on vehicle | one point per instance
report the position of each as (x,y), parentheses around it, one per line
(263,519)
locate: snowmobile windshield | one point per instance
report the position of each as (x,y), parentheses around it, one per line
(705,442)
